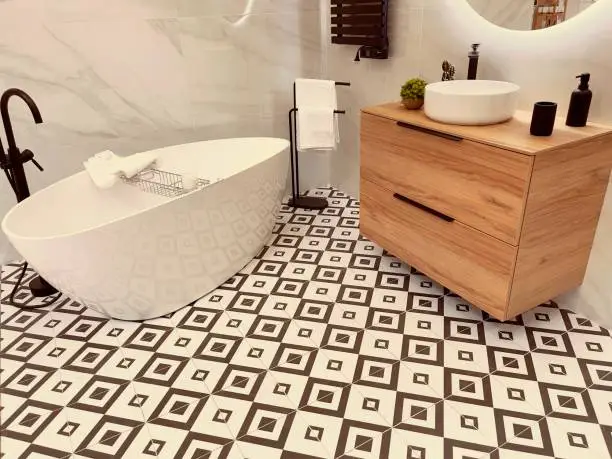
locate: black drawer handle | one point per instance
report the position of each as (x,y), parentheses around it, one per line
(418,205)
(425,130)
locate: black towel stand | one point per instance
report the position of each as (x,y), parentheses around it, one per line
(302,202)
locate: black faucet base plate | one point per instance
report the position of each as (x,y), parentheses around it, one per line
(309,202)
(41,287)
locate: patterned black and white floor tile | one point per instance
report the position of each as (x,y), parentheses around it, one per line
(324,346)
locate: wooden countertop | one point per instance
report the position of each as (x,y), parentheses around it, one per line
(512,135)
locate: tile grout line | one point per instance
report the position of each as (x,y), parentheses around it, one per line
(130,383)
(316,348)
(328,347)
(48,313)
(348,384)
(148,420)
(119,349)
(487,375)
(354,382)
(548,414)
(73,447)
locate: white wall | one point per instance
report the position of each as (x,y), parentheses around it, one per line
(513,14)
(544,63)
(576,6)
(518,14)
(131,75)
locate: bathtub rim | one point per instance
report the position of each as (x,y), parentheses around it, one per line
(10,234)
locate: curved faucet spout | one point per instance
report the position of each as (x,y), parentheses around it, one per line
(12,163)
(13,156)
(6,118)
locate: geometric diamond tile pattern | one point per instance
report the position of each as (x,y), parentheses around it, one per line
(323,346)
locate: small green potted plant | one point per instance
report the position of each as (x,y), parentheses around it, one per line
(413,93)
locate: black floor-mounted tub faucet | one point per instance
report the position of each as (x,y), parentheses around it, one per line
(12,163)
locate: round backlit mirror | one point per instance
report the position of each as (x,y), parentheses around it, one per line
(529,14)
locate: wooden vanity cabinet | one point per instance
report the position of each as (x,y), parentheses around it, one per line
(502,218)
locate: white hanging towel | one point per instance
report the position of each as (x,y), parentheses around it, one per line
(316,101)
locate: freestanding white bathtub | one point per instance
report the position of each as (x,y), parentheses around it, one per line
(134,255)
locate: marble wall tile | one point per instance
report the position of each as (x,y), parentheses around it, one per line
(24,11)
(107,10)
(242,7)
(125,56)
(423,4)
(247,70)
(132,75)
(512,14)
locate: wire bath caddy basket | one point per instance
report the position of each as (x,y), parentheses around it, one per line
(164,183)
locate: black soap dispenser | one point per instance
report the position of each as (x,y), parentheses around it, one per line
(580,104)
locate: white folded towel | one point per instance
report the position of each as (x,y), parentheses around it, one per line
(105,167)
(132,165)
(316,101)
(316,128)
(101,168)
(315,93)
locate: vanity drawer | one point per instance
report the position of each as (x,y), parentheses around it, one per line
(482,186)
(470,263)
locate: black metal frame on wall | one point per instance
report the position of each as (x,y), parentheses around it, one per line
(302,202)
(363,23)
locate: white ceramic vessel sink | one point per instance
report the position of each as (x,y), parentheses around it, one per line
(471,102)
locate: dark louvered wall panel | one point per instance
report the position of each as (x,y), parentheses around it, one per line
(361,22)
